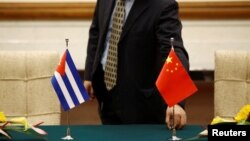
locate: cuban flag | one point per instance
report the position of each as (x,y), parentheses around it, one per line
(68,84)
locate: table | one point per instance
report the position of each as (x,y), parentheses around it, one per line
(113,133)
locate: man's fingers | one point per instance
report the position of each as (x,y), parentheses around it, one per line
(176,123)
(89,89)
(168,121)
(183,121)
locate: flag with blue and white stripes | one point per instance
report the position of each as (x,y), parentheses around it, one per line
(68,84)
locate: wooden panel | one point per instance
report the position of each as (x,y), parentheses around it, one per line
(46,11)
(215,10)
(81,11)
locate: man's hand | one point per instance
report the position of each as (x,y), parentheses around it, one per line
(88,86)
(180,117)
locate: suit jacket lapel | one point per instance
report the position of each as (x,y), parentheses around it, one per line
(108,12)
(136,10)
(107,9)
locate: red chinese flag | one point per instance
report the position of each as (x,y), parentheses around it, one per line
(173,82)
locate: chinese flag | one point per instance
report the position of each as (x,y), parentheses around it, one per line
(174,82)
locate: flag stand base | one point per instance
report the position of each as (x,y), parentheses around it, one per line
(174,138)
(68,137)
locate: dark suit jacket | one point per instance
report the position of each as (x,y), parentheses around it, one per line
(143,47)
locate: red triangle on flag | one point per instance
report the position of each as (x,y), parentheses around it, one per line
(61,66)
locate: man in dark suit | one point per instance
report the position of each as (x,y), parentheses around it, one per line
(143,46)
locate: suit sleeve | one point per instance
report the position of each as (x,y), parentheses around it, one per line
(92,45)
(170,26)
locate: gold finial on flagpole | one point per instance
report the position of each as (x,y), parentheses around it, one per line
(67,42)
(172,42)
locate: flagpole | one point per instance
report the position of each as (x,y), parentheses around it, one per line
(68,135)
(173,137)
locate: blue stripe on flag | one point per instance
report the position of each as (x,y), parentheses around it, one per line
(59,93)
(70,89)
(76,76)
